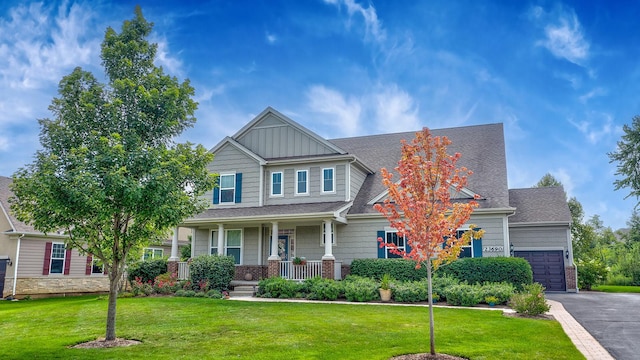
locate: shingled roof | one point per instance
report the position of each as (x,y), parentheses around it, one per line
(481,146)
(539,205)
(5,194)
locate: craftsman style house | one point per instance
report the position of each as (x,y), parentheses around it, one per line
(285,192)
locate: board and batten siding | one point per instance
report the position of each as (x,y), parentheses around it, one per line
(272,138)
(230,159)
(314,184)
(539,237)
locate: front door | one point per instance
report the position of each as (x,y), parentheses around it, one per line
(283,247)
(3,271)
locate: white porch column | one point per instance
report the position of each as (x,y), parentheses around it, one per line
(260,241)
(220,239)
(328,246)
(274,242)
(193,242)
(174,246)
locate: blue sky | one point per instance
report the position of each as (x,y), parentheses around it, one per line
(559,75)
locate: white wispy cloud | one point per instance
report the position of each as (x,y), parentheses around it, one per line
(344,113)
(595,126)
(599,91)
(395,110)
(373,28)
(165,58)
(564,36)
(271,38)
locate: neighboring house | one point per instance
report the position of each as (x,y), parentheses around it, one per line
(284,191)
(41,263)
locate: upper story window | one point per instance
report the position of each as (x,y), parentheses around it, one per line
(302,187)
(276,183)
(328,180)
(227,188)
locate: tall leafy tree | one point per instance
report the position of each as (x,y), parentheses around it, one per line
(109,172)
(627,155)
(420,206)
(633,236)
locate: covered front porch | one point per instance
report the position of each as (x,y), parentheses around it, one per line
(266,246)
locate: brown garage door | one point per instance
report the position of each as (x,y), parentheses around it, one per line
(548,268)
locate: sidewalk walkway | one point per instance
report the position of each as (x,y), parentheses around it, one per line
(586,344)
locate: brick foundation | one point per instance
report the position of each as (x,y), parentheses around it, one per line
(328,269)
(172,268)
(257,272)
(571,278)
(345,270)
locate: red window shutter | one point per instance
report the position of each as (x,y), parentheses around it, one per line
(47,258)
(87,269)
(67,261)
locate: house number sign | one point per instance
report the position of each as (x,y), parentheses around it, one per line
(493,249)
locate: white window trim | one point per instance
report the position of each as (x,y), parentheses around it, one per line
(213,242)
(233,200)
(306,171)
(333,180)
(333,232)
(281,184)
(470,246)
(153,253)
(51,258)
(241,246)
(93,260)
(386,249)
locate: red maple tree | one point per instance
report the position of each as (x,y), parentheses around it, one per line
(420,207)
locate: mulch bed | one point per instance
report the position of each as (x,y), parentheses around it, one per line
(102,343)
(427,356)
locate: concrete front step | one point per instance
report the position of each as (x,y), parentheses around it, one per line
(243,290)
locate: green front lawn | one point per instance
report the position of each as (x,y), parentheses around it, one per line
(617,288)
(186,328)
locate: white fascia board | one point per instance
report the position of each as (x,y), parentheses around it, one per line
(261,218)
(385,193)
(539,224)
(6,215)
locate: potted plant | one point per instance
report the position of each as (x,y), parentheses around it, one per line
(385,287)
(299,261)
(491,300)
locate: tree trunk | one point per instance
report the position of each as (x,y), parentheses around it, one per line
(114,276)
(432,338)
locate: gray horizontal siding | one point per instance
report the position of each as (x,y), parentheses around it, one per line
(314,184)
(357,179)
(539,237)
(32,260)
(230,159)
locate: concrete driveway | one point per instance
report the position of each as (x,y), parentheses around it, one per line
(613,319)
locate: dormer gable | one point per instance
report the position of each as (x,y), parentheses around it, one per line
(272,135)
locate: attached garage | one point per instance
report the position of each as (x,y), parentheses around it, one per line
(548,268)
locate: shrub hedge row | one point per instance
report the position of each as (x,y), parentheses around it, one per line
(212,272)
(516,271)
(147,271)
(399,269)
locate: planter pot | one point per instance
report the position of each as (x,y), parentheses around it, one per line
(385,295)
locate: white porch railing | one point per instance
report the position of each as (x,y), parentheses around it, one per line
(290,271)
(183,270)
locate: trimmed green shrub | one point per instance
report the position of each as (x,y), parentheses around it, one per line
(502,292)
(189,293)
(530,301)
(464,295)
(212,272)
(399,269)
(180,292)
(441,282)
(278,287)
(411,291)
(360,289)
(516,271)
(214,294)
(147,271)
(323,289)
(165,284)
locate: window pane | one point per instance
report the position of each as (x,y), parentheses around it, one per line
(302,182)
(234,238)
(227,181)
(56,266)
(277,183)
(157,253)
(226,196)
(466,252)
(214,250)
(148,254)
(328,180)
(57,251)
(235,253)
(97,267)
